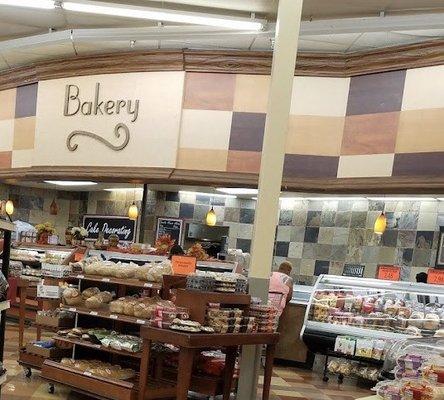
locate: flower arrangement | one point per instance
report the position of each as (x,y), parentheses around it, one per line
(47,227)
(79,233)
(44,231)
(163,244)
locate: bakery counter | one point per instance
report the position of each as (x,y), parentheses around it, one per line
(291,347)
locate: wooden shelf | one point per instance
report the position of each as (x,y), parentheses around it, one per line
(118,281)
(29,360)
(98,387)
(90,345)
(106,314)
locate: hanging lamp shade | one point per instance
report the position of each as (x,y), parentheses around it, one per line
(133,212)
(211,218)
(53,208)
(380,224)
(9,207)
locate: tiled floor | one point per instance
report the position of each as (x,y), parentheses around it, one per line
(287,383)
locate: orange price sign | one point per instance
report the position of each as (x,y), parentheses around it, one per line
(183,265)
(435,276)
(389,272)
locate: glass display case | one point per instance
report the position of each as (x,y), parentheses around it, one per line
(371,308)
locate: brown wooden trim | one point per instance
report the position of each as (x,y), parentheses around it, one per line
(392,185)
(246,62)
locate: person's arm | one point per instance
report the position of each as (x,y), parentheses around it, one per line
(289,283)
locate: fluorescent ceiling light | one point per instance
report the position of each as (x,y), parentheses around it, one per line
(44,4)
(402,198)
(237,190)
(334,198)
(121,10)
(123,189)
(227,196)
(71,183)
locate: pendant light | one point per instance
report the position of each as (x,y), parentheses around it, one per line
(133,211)
(380,224)
(211,217)
(9,207)
(53,208)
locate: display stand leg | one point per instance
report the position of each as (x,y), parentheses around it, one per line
(144,368)
(325,377)
(230,361)
(22,314)
(269,358)
(39,329)
(186,361)
(5,270)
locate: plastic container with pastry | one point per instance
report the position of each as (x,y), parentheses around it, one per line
(72,297)
(416,319)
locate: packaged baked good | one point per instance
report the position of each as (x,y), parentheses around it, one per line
(117,306)
(416,319)
(431,322)
(92,291)
(72,296)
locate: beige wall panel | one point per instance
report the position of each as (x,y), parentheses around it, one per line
(154,134)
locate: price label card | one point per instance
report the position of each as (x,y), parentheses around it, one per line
(389,272)
(113,316)
(435,276)
(183,265)
(72,309)
(93,313)
(80,276)
(140,321)
(148,285)
(87,373)
(105,279)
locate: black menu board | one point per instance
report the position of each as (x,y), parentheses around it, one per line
(123,227)
(355,270)
(170,226)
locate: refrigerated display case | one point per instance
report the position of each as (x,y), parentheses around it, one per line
(370,308)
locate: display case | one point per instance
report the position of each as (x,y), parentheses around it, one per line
(370,308)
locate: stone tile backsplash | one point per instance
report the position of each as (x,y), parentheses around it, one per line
(315,236)
(322,236)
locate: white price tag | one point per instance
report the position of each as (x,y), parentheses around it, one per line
(80,276)
(105,279)
(113,316)
(93,313)
(140,321)
(72,309)
(87,373)
(149,285)
(97,346)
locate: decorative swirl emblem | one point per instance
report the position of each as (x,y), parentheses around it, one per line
(118,127)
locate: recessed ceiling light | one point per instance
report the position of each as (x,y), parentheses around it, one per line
(44,4)
(127,11)
(124,189)
(239,191)
(402,198)
(227,196)
(334,198)
(71,183)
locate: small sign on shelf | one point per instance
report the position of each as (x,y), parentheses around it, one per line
(435,276)
(183,265)
(389,272)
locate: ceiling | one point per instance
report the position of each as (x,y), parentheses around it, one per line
(339,26)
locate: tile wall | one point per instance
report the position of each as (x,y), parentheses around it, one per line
(316,236)
(32,205)
(322,236)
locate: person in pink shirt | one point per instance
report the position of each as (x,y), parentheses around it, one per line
(281,286)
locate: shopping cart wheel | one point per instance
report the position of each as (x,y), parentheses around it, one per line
(51,388)
(340,379)
(325,378)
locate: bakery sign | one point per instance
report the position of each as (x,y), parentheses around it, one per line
(76,104)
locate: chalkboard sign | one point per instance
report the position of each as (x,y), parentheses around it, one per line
(354,270)
(123,227)
(170,226)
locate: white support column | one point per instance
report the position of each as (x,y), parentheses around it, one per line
(270,176)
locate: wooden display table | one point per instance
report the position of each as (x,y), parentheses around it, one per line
(190,343)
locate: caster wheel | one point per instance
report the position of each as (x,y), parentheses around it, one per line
(325,378)
(51,389)
(27,372)
(340,380)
